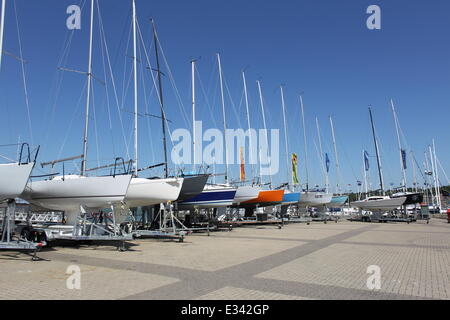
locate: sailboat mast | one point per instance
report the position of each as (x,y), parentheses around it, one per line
(88,98)
(380,174)
(288,171)
(135,129)
(438,189)
(321,156)
(414,171)
(193,109)
(224,116)
(338,171)
(265,125)
(161,100)
(399,145)
(2,29)
(305,143)
(429,183)
(249,126)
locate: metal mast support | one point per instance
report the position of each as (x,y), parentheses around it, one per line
(161,101)
(305,143)
(135,129)
(380,172)
(321,156)
(224,116)
(338,171)
(252,161)
(2,29)
(288,170)
(265,125)
(399,146)
(88,98)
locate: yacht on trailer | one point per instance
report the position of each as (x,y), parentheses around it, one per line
(311,198)
(75,193)
(379,203)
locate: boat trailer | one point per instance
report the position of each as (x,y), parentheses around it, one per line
(11,238)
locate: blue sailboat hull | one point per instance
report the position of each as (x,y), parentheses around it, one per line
(210,199)
(291,198)
(338,200)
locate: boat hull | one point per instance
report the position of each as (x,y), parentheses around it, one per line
(210,197)
(147,192)
(265,198)
(13,179)
(246,193)
(411,197)
(71,193)
(314,198)
(338,201)
(291,198)
(192,186)
(380,205)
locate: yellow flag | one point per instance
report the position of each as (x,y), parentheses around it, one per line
(294,168)
(242,165)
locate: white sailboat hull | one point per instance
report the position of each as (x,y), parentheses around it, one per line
(246,193)
(13,179)
(314,198)
(380,205)
(75,191)
(147,192)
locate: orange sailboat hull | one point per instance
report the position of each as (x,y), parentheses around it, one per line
(266,198)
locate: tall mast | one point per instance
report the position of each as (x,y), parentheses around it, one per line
(2,29)
(249,126)
(161,100)
(414,171)
(429,183)
(193,109)
(399,145)
(135,130)
(438,189)
(290,180)
(380,173)
(265,125)
(305,145)
(321,156)
(224,116)
(88,98)
(338,171)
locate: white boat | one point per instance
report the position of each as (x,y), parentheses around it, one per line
(13,179)
(314,198)
(147,192)
(379,203)
(70,193)
(245,193)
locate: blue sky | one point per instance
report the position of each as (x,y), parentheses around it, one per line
(321,48)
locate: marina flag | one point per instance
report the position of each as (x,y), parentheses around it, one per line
(294,168)
(404,159)
(327,162)
(242,175)
(366,160)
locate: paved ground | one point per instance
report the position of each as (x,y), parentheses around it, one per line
(317,261)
